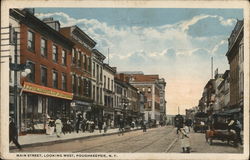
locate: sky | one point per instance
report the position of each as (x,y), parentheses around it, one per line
(176,43)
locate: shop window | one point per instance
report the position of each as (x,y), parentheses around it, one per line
(44,75)
(31,41)
(44,48)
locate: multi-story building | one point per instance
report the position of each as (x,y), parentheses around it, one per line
(162,84)
(109,92)
(235,56)
(208,98)
(97,83)
(223,94)
(149,85)
(218,80)
(47,89)
(80,69)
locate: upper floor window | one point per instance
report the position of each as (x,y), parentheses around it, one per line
(31,41)
(94,69)
(44,71)
(79,59)
(55,79)
(100,73)
(105,82)
(89,64)
(112,85)
(64,57)
(64,81)
(74,83)
(85,62)
(74,56)
(108,83)
(31,76)
(55,53)
(241,52)
(44,47)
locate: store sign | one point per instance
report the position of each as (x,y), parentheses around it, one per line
(34,88)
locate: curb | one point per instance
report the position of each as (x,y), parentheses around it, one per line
(66,140)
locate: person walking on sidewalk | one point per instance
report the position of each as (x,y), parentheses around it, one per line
(78,121)
(13,133)
(105,127)
(236,126)
(59,126)
(100,126)
(121,127)
(185,140)
(51,126)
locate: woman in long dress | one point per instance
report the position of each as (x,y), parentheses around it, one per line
(185,140)
(59,126)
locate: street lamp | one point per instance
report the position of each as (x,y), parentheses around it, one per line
(24,68)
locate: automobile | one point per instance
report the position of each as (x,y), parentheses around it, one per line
(200,122)
(218,130)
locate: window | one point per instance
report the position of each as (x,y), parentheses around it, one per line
(149,89)
(241,52)
(43,47)
(94,69)
(85,62)
(79,59)
(108,83)
(100,73)
(94,93)
(74,56)
(105,82)
(55,53)
(64,57)
(89,64)
(64,81)
(79,85)
(10,75)
(74,83)
(55,79)
(44,71)
(12,34)
(97,94)
(112,83)
(97,72)
(31,41)
(31,76)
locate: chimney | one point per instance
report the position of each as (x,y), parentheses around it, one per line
(52,23)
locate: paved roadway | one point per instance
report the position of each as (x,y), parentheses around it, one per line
(156,140)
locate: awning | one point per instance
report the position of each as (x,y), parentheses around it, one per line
(34,88)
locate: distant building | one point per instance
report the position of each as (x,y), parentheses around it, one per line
(150,86)
(223,95)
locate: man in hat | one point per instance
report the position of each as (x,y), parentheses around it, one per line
(13,133)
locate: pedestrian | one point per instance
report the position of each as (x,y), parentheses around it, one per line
(236,126)
(105,127)
(121,127)
(83,125)
(144,126)
(51,126)
(13,133)
(100,123)
(185,140)
(59,126)
(78,121)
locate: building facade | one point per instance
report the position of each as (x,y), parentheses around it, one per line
(80,70)
(47,89)
(235,56)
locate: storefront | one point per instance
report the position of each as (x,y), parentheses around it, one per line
(80,107)
(117,116)
(39,103)
(108,116)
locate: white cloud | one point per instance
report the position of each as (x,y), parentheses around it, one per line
(167,50)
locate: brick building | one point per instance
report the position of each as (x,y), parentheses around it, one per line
(149,85)
(81,70)
(47,89)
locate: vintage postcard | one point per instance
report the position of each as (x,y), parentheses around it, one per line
(130,79)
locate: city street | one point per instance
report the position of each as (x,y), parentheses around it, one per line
(157,140)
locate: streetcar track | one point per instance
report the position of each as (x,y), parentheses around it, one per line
(129,138)
(154,141)
(109,143)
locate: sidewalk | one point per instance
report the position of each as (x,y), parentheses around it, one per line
(30,140)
